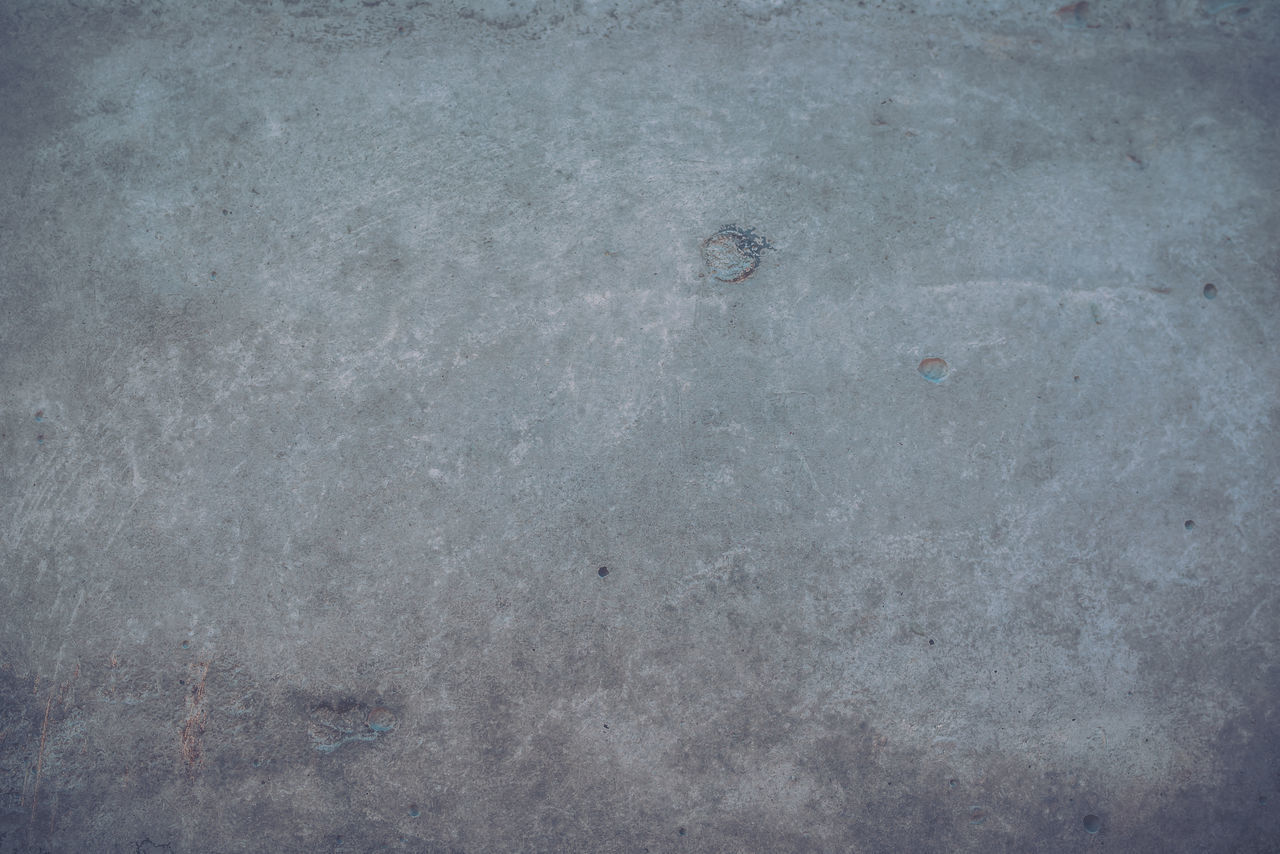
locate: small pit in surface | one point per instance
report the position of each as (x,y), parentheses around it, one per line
(733,253)
(933,369)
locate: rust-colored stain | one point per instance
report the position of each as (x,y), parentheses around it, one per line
(1074,15)
(197,714)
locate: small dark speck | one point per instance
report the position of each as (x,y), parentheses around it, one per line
(930,641)
(225,212)
(40,438)
(681,831)
(1189,524)
(602,571)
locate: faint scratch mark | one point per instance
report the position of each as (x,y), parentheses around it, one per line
(44,731)
(48,488)
(76,609)
(805,462)
(197,715)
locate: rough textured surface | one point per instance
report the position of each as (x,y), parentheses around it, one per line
(384,470)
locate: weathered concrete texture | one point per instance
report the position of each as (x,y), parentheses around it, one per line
(385,470)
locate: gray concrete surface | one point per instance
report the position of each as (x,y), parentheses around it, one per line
(345,343)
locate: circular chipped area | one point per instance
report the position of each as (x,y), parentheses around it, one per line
(733,253)
(933,369)
(381,719)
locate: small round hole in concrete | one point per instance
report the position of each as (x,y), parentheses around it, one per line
(414,812)
(933,369)
(1092,824)
(602,571)
(1189,524)
(1210,290)
(733,253)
